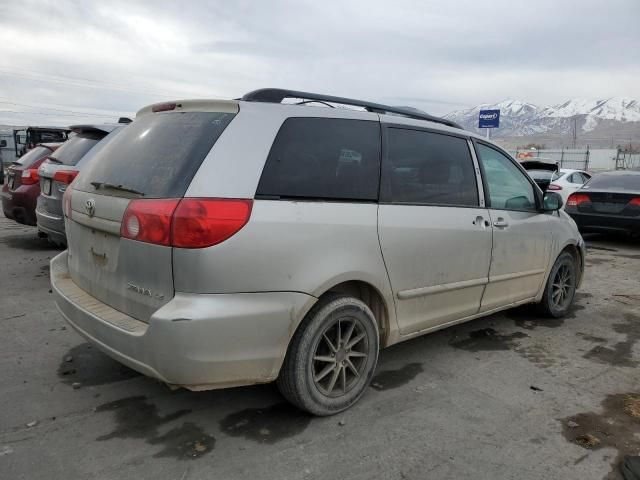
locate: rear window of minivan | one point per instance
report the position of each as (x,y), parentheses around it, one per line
(158,154)
(75,148)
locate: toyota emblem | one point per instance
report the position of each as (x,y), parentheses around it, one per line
(90,207)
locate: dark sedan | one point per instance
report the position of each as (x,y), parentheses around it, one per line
(609,202)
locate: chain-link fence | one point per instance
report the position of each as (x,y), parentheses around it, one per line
(626,160)
(569,158)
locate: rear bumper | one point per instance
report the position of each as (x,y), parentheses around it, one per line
(605,223)
(197,341)
(19,205)
(50,223)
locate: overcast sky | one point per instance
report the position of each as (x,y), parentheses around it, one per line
(60,60)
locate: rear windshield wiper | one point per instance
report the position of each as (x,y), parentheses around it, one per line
(54,159)
(112,186)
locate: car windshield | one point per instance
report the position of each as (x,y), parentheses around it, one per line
(615,182)
(32,156)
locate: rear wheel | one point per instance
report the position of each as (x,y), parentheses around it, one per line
(560,289)
(332,356)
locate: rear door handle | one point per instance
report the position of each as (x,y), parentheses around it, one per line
(481,222)
(501,223)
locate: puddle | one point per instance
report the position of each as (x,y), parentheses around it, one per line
(89,366)
(526,317)
(136,418)
(184,443)
(615,427)
(488,339)
(29,242)
(620,353)
(390,379)
(266,425)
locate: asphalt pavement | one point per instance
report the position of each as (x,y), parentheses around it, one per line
(510,396)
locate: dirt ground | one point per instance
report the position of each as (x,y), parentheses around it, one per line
(508,396)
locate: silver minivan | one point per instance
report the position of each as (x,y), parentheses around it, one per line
(235,242)
(60,169)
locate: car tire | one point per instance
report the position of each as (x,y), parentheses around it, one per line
(332,356)
(560,290)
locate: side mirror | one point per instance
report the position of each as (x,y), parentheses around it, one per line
(551,202)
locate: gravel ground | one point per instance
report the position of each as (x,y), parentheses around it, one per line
(508,396)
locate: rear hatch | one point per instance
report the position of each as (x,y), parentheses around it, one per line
(59,170)
(543,173)
(153,158)
(27,167)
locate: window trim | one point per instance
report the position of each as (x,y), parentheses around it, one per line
(290,198)
(536,189)
(384,197)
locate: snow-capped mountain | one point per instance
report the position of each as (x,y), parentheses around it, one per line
(518,118)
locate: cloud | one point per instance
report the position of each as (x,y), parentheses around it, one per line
(115,57)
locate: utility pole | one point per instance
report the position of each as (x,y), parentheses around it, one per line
(575,133)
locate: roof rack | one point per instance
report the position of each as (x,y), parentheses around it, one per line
(276,95)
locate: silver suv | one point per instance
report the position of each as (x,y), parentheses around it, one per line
(60,169)
(237,242)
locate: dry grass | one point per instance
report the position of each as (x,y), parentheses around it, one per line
(587,440)
(632,405)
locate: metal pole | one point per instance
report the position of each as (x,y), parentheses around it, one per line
(488,130)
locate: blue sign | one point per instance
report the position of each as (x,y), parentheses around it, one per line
(489,119)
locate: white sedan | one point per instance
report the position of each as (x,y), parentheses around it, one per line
(564,182)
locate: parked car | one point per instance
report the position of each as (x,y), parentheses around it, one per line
(542,172)
(59,170)
(24,139)
(564,181)
(237,242)
(21,190)
(609,202)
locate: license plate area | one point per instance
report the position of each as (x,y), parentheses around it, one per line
(46,186)
(608,207)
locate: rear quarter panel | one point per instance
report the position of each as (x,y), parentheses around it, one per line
(305,247)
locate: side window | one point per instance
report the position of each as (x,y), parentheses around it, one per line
(579,178)
(575,178)
(508,187)
(428,168)
(324,158)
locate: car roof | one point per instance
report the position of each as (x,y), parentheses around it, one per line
(233,106)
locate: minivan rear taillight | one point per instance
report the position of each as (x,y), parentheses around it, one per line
(149,221)
(185,223)
(65,176)
(203,222)
(30,176)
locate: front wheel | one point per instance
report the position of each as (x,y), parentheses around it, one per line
(560,289)
(332,356)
